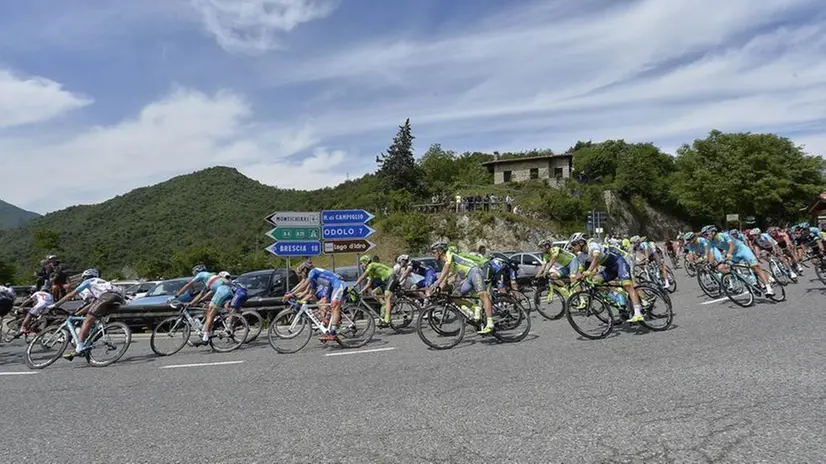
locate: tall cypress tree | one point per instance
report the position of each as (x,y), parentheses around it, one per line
(397,166)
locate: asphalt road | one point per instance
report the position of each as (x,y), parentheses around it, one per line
(726,384)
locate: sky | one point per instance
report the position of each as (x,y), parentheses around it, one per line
(98,97)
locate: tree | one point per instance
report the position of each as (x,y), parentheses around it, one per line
(761,175)
(46,241)
(7,272)
(397,167)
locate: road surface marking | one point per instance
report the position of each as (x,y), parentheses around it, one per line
(17,373)
(223,363)
(359,352)
(715,301)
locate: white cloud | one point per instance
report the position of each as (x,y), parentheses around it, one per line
(254,26)
(184,132)
(34,99)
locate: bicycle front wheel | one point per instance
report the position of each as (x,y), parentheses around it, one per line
(288,333)
(356,327)
(402,314)
(511,322)
(590,317)
(169,336)
(47,347)
(255,322)
(657,311)
(441,327)
(109,343)
(229,332)
(550,303)
(709,283)
(738,290)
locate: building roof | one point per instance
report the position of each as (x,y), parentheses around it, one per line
(526,158)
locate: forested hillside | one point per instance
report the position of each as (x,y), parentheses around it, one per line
(11,216)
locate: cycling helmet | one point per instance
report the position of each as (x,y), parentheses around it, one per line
(198,269)
(577,238)
(51,257)
(304,267)
(708,230)
(403,259)
(544,244)
(439,246)
(90,274)
(636,239)
(804,225)
(754,232)
(689,236)
(224,274)
(365,259)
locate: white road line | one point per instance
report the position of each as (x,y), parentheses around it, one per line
(223,363)
(714,301)
(359,352)
(17,373)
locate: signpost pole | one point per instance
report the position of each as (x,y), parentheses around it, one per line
(287,287)
(333,262)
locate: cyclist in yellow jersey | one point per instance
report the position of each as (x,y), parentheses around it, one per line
(381,277)
(567,261)
(467,268)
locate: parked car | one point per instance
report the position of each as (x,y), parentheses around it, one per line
(529,265)
(265,285)
(350,274)
(139,290)
(125,284)
(159,294)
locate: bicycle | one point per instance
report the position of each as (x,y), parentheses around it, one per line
(100,342)
(255,322)
(608,298)
(299,320)
(778,269)
(741,281)
(690,265)
(226,326)
(707,278)
(443,310)
(11,326)
(401,314)
(650,272)
(814,254)
(548,295)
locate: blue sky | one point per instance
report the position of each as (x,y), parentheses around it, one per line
(100,97)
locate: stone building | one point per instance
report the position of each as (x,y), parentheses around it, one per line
(555,168)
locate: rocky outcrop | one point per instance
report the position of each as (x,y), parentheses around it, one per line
(496,233)
(641,219)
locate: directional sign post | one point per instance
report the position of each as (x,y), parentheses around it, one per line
(345,216)
(307,248)
(294,219)
(296,233)
(348,246)
(346,232)
(283,234)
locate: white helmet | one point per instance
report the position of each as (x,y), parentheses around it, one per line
(636,239)
(403,259)
(224,274)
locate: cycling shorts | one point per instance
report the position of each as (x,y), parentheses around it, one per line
(321,292)
(238,299)
(335,292)
(40,308)
(565,271)
(107,303)
(221,296)
(473,282)
(5,306)
(429,279)
(744,255)
(618,269)
(390,284)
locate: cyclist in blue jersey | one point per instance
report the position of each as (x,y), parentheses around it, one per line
(312,278)
(214,285)
(736,252)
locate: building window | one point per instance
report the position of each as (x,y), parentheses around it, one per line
(507,176)
(535,173)
(558,173)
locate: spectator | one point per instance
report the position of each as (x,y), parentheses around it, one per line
(486,202)
(458,202)
(494,202)
(509,203)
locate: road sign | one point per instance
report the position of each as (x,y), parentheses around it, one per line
(599,230)
(346,232)
(346,216)
(293,218)
(348,246)
(282,234)
(732,217)
(286,249)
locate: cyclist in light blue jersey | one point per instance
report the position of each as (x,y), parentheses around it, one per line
(650,252)
(736,252)
(215,285)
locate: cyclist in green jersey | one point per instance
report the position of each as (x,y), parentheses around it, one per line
(467,267)
(568,264)
(381,277)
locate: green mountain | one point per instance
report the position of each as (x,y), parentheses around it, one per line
(11,216)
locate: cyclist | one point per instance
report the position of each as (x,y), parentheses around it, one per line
(784,242)
(736,252)
(467,268)
(615,266)
(384,280)
(214,285)
(239,294)
(39,302)
(650,252)
(313,277)
(7,297)
(568,265)
(103,298)
(423,275)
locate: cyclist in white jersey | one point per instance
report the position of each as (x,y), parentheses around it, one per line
(39,302)
(105,298)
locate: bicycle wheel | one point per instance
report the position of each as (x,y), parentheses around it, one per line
(255,322)
(10,327)
(589,316)
(169,336)
(229,331)
(550,303)
(672,287)
(511,322)
(776,270)
(656,308)
(820,270)
(356,327)
(737,290)
(287,333)
(47,347)
(402,314)
(109,343)
(441,326)
(779,294)
(709,283)
(523,300)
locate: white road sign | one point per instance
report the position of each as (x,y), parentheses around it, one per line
(294,218)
